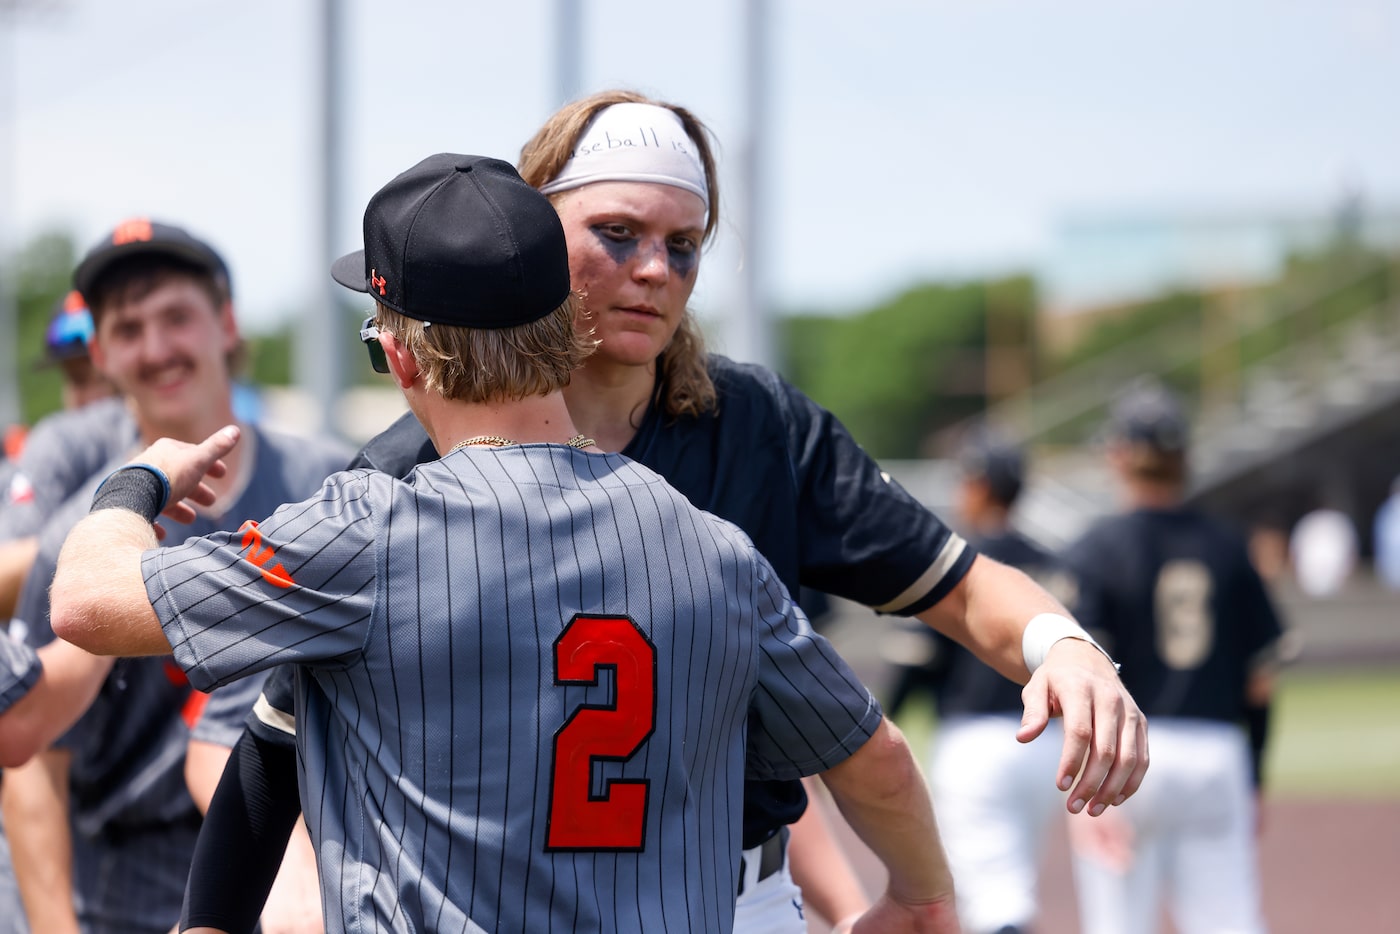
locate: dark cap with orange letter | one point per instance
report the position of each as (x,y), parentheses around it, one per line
(140,236)
(461,240)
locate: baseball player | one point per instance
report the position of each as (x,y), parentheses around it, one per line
(64,449)
(164,334)
(61,451)
(993,801)
(1175,595)
(531,669)
(741,443)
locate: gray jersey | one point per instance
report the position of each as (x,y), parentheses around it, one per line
(134,820)
(530,674)
(61,455)
(19,669)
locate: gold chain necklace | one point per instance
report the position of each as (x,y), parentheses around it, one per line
(496,441)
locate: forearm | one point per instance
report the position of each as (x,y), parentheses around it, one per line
(35,804)
(204,766)
(70,679)
(987,612)
(884,797)
(98,600)
(244,837)
(819,867)
(16,558)
(294,904)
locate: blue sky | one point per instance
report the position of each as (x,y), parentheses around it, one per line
(908,140)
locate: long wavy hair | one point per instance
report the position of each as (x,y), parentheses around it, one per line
(686,386)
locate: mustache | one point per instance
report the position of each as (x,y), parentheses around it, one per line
(150,370)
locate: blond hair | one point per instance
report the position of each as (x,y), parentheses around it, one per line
(493,364)
(687,387)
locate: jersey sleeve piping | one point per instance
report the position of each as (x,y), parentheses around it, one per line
(271,717)
(948,568)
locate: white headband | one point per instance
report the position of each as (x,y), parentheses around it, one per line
(634,143)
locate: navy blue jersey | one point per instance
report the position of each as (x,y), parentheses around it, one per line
(961,683)
(784,470)
(1173,595)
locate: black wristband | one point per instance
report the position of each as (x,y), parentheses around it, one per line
(141,488)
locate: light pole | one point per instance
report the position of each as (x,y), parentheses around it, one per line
(321,359)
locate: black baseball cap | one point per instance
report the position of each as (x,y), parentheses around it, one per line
(1149,413)
(69,330)
(996,461)
(140,236)
(461,240)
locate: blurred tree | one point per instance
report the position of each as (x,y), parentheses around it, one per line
(43,274)
(900,372)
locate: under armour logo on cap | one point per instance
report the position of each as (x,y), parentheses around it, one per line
(461,240)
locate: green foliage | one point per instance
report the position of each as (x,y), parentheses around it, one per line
(1335,734)
(43,275)
(901,371)
(270,356)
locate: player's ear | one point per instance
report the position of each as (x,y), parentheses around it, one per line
(403,366)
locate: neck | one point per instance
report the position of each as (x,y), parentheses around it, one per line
(991,521)
(607,402)
(524,421)
(1145,494)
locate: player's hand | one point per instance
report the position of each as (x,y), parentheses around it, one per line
(889,916)
(1105,732)
(186,466)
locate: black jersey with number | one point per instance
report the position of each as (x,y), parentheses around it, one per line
(1175,598)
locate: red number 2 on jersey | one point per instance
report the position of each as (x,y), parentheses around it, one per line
(616,819)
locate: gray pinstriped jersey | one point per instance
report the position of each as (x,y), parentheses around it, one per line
(63,451)
(19,669)
(535,674)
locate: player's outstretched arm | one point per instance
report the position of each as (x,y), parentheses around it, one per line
(69,679)
(16,558)
(1105,732)
(884,797)
(98,599)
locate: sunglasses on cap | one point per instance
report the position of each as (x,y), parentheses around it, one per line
(370,335)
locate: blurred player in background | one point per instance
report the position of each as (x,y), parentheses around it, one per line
(993,801)
(1174,594)
(63,449)
(165,334)
(634,183)
(61,452)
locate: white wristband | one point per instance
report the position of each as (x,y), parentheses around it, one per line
(1045,630)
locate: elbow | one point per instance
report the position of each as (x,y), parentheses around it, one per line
(19,739)
(72,620)
(883,769)
(64,616)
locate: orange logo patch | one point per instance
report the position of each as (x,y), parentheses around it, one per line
(377,281)
(261,555)
(137,230)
